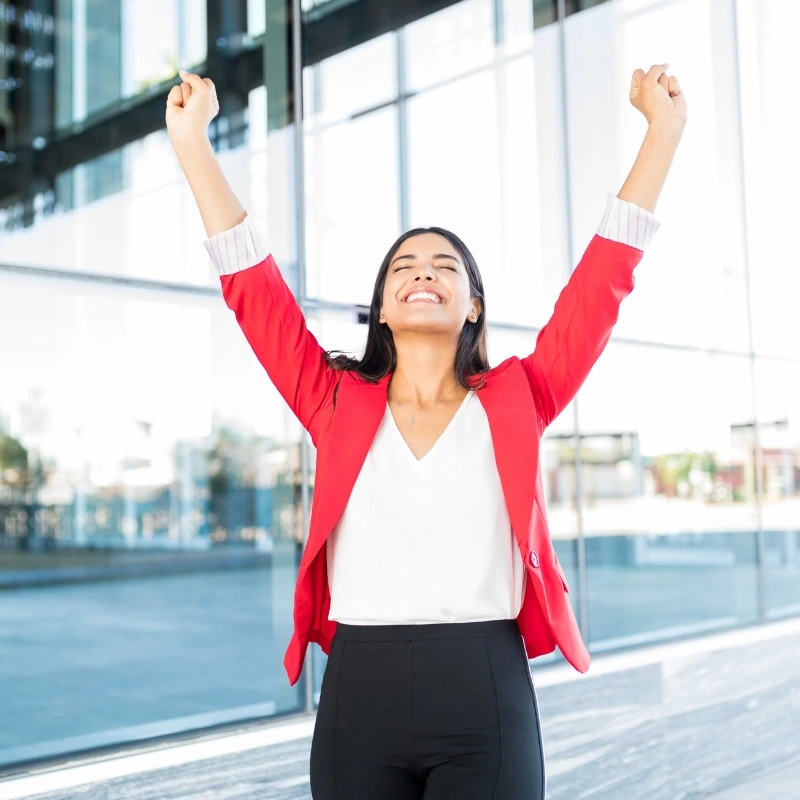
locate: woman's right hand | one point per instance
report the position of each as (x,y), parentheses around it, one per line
(190,107)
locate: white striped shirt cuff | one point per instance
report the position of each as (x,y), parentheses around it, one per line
(627,223)
(238,248)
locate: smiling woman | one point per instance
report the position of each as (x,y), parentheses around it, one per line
(437,261)
(429,576)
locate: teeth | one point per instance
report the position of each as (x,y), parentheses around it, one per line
(423,295)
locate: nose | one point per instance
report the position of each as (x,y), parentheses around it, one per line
(425,271)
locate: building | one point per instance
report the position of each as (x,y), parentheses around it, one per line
(140,439)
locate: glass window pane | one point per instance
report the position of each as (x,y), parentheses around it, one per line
(357,79)
(165,473)
(669,506)
(352,205)
(545,12)
(446,44)
(454,180)
(498,180)
(150,43)
(133,197)
(534,266)
(772,163)
(690,288)
(108,51)
(101,72)
(192,24)
(99,177)
(778,402)
(518,21)
(151,162)
(256,17)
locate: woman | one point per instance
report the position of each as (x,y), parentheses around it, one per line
(437,580)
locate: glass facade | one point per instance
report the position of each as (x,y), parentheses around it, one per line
(109,51)
(155,488)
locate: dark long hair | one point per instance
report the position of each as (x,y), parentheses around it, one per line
(380,356)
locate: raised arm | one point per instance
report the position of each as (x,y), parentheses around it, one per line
(190,107)
(588,307)
(272,321)
(252,284)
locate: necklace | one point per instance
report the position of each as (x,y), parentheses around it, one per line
(414,416)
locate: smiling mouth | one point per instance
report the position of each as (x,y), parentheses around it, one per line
(417,299)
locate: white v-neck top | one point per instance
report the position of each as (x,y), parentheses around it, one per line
(426,540)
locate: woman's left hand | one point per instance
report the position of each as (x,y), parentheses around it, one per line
(658,96)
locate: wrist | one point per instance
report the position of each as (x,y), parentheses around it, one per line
(667,125)
(189,141)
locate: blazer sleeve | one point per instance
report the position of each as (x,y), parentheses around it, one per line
(271,320)
(587,309)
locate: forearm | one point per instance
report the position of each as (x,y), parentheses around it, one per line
(646,179)
(219,207)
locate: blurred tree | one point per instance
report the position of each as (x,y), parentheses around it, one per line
(168,75)
(13,461)
(672,470)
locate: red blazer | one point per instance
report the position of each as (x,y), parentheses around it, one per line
(522,396)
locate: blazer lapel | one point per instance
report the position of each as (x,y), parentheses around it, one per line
(512,421)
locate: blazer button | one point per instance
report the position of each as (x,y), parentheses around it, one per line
(534,558)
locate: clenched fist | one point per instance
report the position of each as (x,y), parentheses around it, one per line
(190,107)
(658,96)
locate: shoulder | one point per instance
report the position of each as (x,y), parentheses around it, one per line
(500,368)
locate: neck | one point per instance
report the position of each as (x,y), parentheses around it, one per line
(423,375)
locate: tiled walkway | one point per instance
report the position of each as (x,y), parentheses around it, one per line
(779,784)
(713,718)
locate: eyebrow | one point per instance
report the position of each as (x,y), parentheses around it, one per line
(435,256)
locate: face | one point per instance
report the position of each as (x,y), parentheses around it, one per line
(428,263)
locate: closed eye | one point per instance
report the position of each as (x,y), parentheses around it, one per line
(441,266)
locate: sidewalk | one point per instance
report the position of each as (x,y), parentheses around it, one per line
(714,717)
(784,783)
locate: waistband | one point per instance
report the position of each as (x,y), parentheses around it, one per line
(417,631)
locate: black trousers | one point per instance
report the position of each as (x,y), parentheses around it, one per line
(443,711)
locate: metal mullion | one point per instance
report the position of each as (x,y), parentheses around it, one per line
(300,249)
(402,128)
(498,17)
(499,75)
(757,453)
(580,542)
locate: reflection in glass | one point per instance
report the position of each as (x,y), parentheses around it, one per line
(107,51)
(148,444)
(691,286)
(448,185)
(356,79)
(771,159)
(778,403)
(449,43)
(352,215)
(669,494)
(150,491)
